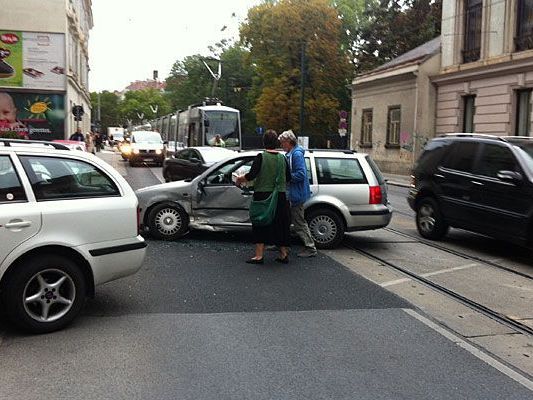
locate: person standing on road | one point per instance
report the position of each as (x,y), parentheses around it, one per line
(299,190)
(78,136)
(264,172)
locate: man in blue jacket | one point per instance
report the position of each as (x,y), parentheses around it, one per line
(299,190)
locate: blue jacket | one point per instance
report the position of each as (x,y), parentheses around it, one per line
(299,190)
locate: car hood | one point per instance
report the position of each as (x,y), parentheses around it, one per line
(164,187)
(146,146)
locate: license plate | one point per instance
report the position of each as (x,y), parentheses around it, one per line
(148,159)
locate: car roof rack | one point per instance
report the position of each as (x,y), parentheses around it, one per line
(9,142)
(517,137)
(345,151)
(474,135)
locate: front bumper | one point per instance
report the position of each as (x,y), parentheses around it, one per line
(147,157)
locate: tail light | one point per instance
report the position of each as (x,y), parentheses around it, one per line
(376,196)
(138,221)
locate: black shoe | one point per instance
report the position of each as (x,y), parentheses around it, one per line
(284,260)
(255,261)
(6,70)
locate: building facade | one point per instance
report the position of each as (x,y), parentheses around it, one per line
(44,64)
(486,76)
(393,108)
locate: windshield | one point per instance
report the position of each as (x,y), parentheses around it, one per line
(147,137)
(221,128)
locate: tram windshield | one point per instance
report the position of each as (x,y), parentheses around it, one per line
(223,123)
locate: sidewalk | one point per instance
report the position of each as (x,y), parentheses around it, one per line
(398,180)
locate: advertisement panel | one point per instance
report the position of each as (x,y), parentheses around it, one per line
(35,116)
(32,60)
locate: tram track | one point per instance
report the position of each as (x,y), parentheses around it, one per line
(474,305)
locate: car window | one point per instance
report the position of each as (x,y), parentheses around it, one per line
(375,170)
(183,155)
(493,159)
(339,171)
(11,190)
(461,156)
(308,168)
(61,178)
(222,175)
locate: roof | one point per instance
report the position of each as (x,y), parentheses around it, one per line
(416,56)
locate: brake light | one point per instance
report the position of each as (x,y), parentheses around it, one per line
(375,195)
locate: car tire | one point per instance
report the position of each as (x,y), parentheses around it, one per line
(429,220)
(44,293)
(327,228)
(168,222)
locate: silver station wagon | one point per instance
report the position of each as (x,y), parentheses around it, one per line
(348,194)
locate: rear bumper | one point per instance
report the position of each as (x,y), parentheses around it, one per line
(375,218)
(116,259)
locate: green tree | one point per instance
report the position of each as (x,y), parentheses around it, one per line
(277,34)
(393,27)
(109,109)
(139,105)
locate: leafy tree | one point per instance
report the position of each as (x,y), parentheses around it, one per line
(137,105)
(109,109)
(393,27)
(277,34)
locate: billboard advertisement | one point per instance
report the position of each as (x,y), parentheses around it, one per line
(35,116)
(32,60)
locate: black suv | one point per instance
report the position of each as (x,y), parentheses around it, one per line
(480,183)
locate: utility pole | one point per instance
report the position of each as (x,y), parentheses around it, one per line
(302,88)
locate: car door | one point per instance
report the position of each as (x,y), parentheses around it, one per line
(453,181)
(219,201)
(19,218)
(503,204)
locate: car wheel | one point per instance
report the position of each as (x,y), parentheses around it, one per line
(168,222)
(327,228)
(44,293)
(429,220)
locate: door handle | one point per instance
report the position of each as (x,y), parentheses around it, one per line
(439,176)
(477,183)
(18,224)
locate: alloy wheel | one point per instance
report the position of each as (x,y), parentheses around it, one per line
(426,219)
(49,295)
(323,228)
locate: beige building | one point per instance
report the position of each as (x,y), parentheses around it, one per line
(46,70)
(393,108)
(486,77)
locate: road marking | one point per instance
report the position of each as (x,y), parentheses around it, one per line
(427,274)
(521,379)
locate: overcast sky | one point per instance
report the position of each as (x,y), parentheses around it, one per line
(130,39)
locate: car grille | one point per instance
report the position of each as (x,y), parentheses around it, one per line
(147,151)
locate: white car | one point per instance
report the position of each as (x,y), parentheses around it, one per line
(146,146)
(68,222)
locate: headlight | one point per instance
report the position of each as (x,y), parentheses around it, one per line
(125,149)
(158,151)
(135,151)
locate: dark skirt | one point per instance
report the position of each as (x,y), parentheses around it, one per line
(278,233)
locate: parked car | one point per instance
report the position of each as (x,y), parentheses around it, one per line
(192,161)
(146,146)
(479,183)
(68,222)
(349,194)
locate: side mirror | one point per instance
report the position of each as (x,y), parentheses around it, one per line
(510,176)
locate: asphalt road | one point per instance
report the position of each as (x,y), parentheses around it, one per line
(196,322)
